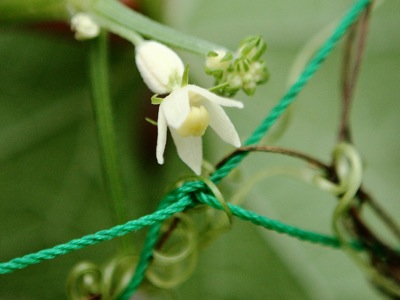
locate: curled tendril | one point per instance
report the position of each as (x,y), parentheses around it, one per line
(117,274)
(84,281)
(175,254)
(348,168)
(306,175)
(175,261)
(212,223)
(218,195)
(87,281)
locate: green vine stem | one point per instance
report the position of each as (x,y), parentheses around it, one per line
(111,15)
(118,19)
(105,129)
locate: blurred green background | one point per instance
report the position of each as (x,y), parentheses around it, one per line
(51,187)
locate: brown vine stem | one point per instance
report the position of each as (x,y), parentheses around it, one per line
(351,68)
(164,237)
(392,225)
(352,59)
(272,149)
(361,194)
(385,259)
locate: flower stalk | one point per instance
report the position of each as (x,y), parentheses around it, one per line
(112,16)
(117,18)
(106,133)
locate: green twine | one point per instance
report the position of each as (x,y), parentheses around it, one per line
(96,238)
(146,254)
(193,192)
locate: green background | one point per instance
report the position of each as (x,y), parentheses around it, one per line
(51,187)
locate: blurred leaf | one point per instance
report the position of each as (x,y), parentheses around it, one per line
(50,180)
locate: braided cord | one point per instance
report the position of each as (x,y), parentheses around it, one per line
(155,219)
(276,225)
(93,239)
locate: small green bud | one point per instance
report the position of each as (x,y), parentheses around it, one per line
(218,60)
(243,70)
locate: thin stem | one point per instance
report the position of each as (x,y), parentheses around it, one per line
(361,194)
(385,259)
(105,129)
(350,70)
(383,215)
(344,131)
(119,19)
(165,236)
(117,29)
(273,149)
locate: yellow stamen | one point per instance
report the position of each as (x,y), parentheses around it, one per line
(196,122)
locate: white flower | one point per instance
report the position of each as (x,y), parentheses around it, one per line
(188,110)
(84,26)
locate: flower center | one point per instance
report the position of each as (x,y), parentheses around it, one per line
(196,122)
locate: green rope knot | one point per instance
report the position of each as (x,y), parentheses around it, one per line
(167,270)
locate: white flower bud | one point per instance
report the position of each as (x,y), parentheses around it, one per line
(84,27)
(160,67)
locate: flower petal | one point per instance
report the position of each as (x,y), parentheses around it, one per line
(213,97)
(176,107)
(161,136)
(189,150)
(221,124)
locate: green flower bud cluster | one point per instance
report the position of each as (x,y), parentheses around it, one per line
(243,70)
